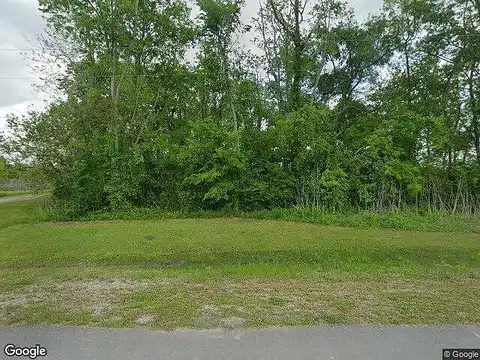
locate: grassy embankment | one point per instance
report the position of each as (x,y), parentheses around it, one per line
(208,273)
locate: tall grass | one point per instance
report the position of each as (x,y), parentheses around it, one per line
(366,219)
(406,220)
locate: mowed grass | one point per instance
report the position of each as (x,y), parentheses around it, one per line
(7,193)
(20,213)
(230,272)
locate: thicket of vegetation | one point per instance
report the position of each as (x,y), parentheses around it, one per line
(14,176)
(165,108)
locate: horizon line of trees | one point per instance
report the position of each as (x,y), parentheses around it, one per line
(329,113)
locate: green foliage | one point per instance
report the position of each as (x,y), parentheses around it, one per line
(334,186)
(309,122)
(3,169)
(219,17)
(216,165)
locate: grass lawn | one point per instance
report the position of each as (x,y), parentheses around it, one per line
(208,273)
(20,213)
(5,193)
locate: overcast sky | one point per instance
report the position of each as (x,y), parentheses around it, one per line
(20,24)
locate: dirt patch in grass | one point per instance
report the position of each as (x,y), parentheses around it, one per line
(184,303)
(94,297)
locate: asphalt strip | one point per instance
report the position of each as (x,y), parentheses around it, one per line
(303,343)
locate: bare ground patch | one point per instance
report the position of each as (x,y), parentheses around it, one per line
(184,303)
(92,296)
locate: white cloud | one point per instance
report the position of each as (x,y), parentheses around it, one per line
(20,24)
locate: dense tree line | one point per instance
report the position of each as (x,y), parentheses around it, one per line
(168,109)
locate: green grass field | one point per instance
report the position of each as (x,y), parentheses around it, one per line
(225,272)
(20,213)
